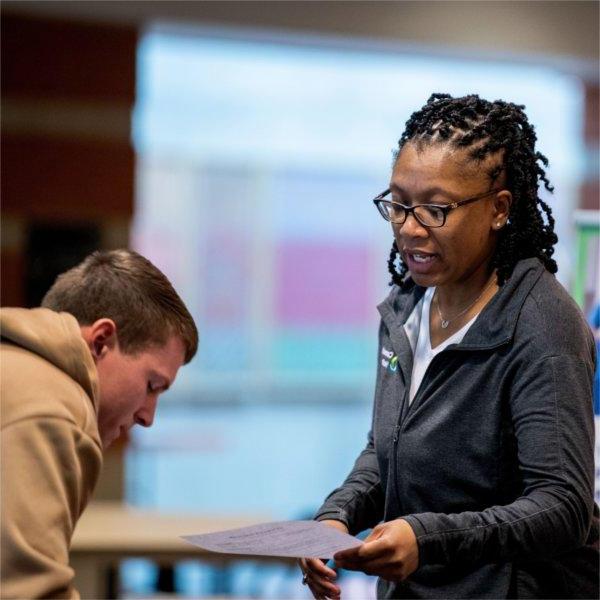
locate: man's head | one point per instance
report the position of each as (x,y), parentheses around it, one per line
(137,328)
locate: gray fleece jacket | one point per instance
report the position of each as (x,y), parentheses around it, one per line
(493,462)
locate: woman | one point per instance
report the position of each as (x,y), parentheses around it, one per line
(478,473)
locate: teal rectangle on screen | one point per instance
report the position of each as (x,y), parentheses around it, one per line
(324,350)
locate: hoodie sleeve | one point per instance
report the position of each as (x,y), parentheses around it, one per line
(554,428)
(359,501)
(43,494)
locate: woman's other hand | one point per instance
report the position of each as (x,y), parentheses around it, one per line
(390,552)
(318,576)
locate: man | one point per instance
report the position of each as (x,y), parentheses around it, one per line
(75,375)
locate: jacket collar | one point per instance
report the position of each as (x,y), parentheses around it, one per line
(497,321)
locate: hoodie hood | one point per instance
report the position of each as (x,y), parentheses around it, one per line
(56,337)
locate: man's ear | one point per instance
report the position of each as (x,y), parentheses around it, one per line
(100,336)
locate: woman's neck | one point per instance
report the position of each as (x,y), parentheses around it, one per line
(452,298)
(456,305)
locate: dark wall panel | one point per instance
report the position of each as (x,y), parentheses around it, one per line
(65,178)
(53,59)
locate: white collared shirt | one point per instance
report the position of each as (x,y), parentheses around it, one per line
(417,331)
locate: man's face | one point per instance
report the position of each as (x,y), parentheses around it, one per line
(131,383)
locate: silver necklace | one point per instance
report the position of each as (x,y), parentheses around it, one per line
(446,322)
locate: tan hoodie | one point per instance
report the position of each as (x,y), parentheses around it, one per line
(51,452)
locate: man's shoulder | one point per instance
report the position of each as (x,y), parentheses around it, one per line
(32,387)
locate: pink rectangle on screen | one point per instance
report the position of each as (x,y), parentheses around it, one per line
(319,284)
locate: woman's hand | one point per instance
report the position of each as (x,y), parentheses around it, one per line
(391,552)
(320,578)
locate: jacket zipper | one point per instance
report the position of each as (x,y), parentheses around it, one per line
(400,422)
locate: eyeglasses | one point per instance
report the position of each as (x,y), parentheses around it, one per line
(428,215)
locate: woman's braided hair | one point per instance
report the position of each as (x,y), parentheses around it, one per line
(490,127)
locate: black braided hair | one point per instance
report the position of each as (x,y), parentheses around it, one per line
(488,127)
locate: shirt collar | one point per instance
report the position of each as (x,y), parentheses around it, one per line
(496,323)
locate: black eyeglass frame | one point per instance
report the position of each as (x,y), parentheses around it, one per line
(445,208)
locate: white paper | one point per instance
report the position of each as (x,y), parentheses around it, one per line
(282,538)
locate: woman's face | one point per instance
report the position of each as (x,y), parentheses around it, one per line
(463,246)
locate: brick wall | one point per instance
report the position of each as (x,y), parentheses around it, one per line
(68,89)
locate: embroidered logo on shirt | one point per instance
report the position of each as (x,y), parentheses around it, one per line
(389,360)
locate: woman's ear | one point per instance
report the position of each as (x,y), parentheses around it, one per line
(502,204)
